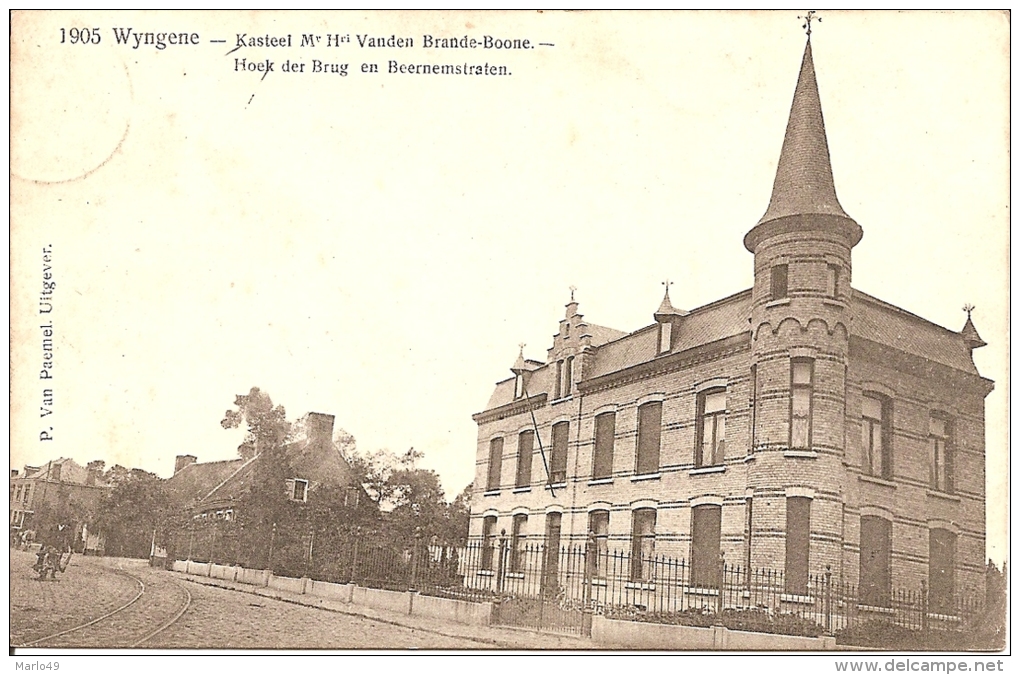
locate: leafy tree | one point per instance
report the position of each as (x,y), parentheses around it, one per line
(137,506)
(267,424)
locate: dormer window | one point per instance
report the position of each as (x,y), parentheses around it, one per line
(519,385)
(665,336)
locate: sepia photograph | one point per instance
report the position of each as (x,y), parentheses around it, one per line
(510,332)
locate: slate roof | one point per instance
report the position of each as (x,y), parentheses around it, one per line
(195,481)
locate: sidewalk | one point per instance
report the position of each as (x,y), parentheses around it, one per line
(488,637)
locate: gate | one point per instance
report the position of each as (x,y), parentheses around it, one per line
(543,588)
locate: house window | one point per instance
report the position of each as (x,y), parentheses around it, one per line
(525,451)
(519,385)
(228,514)
(706,530)
(798,539)
(558,461)
(801,390)
(832,281)
(568,376)
(754,407)
(17,494)
(941,566)
(495,463)
(517,537)
(665,336)
(559,380)
(649,433)
(940,461)
(605,434)
(488,541)
(598,556)
(551,559)
(642,548)
(780,274)
(876,551)
(710,449)
(299,490)
(875,436)
(351,497)
(28,491)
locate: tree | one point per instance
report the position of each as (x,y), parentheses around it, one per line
(268,427)
(136,506)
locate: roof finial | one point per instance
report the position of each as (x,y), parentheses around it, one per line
(520,365)
(522,345)
(808,18)
(572,289)
(667,283)
(968,308)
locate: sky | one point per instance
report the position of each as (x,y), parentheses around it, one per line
(376,246)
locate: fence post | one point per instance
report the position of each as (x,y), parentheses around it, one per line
(828,600)
(721,577)
(590,550)
(924,605)
(500,564)
(191,538)
(272,542)
(311,544)
(354,558)
(415,552)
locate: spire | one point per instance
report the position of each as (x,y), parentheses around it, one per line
(666,309)
(520,365)
(804,176)
(969,332)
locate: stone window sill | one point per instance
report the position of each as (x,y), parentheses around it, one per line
(876,610)
(834,302)
(943,495)
(798,599)
(491,493)
(801,454)
(562,399)
(702,591)
(877,481)
(601,481)
(519,490)
(486,573)
(706,470)
(777,303)
(646,476)
(598,582)
(555,486)
(515,575)
(640,586)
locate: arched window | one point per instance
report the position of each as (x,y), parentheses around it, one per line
(711,444)
(876,436)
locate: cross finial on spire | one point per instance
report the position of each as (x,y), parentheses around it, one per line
(572,290)
(968,308)
(522,345)
(808,18)
(667,283)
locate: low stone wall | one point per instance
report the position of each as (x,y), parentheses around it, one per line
(198,569)
(179,566)
(394,601)
(642,635)
(289,584)
(225,572)
(459,611)
(253,577)
(325,589)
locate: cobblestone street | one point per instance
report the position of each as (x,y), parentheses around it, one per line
(220,618)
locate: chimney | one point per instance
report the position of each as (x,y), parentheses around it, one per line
(14,473)
(320,429)
(183,461)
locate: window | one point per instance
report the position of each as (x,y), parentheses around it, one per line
(17,494)
(875,436)
(649,433)
(941,576)
(495,463)
(710,449)
(551,560)
(488,541)
(598,556)
(705,540)
(832,281)
(801,389)
(559,380)
(754,407)
(568,376)
(517,537)
(940,463)
(228,514)
(519,385)
(558,461)
(298,489)
(665,336)
(748,533)
(779,281)
(798,540)
(351,497)
(25,496)
(876,547)
(525,451)
(642,548)
(605,434)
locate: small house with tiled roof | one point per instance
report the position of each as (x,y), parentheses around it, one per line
(800,426)
(215,490)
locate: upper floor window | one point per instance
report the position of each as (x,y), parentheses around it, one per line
(298,489)
(495,463)
(780,274)
(832,281)
(665,336)
(525,451)
(940,460)
(875,436)
(568,376)
(642,549)
(559,380)
(558,460)
(605,434)
(519,385)
(649,435)
(351,496)
(711,445)
(801,394)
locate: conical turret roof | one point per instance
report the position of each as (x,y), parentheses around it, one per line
(970,335)
(804,182)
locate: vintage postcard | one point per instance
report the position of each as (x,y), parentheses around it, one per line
(517,330)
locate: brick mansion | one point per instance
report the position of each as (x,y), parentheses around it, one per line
(799,425)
